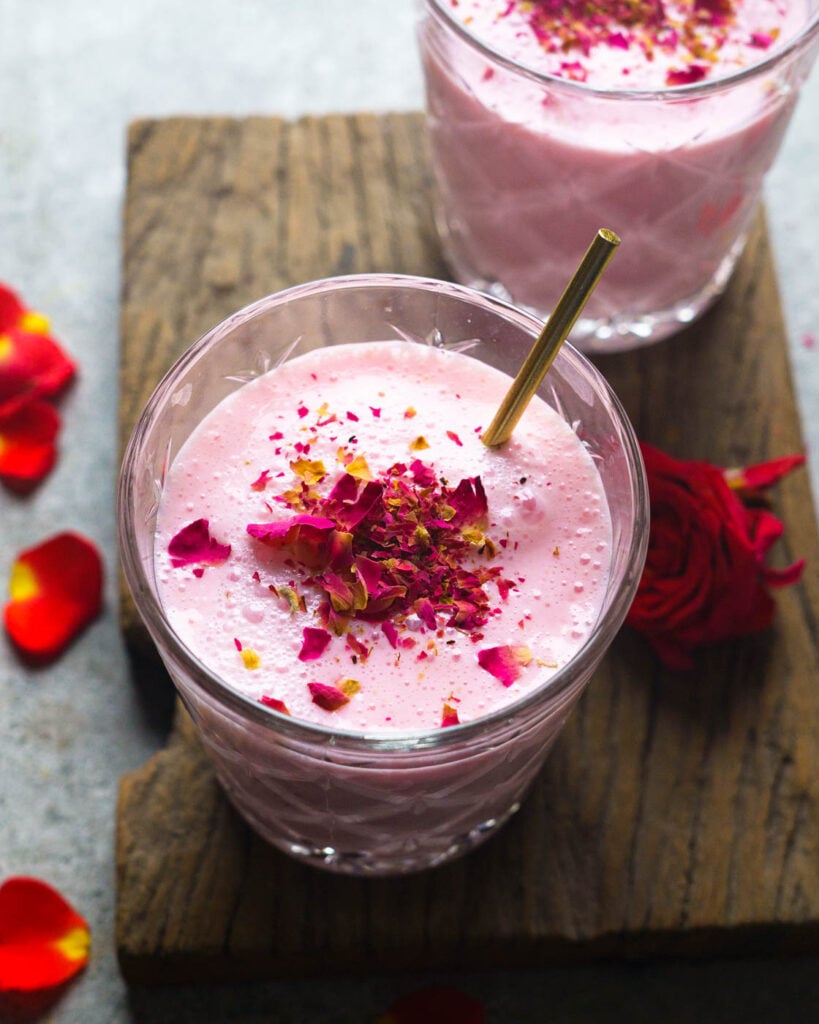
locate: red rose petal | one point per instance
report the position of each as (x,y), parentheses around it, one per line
(449,716)
(686,76)
(32,363)
(55,590)
(348,505)
(27,448)
(31,366)
(193,545)
(434,1006)
(390,632)
(426,612)
(763,474)
(330,698)
(314,643)
(504,663)
(306,537)
(574,70)
(359,649)
(11,308)
(469,501)
(261,480)
(43,940)
(272,532)
(275,703)
(423,474)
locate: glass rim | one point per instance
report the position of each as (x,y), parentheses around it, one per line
(667,94)
(150,609)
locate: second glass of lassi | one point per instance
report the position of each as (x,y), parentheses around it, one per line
(548,118)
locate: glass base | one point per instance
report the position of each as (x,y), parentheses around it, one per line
(430,853)
(606,335)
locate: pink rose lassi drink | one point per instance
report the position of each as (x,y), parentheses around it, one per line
(379,624)
(335,540)
(548,118)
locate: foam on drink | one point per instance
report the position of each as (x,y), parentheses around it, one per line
(283,623)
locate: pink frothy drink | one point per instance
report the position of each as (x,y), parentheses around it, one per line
(378,624)
(548,119)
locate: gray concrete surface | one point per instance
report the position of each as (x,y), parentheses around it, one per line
(72,75)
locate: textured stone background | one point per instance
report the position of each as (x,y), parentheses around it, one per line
(73,73)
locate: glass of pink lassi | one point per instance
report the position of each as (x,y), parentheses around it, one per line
(378,624)
(658,118)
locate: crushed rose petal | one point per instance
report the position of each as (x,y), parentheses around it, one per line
(330,698)
(274,703)
(688,75)
(449,716)
(307,537)
(314,643)
(505,662)
(193,545)
(261,481)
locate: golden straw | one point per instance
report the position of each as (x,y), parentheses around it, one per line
(552,336)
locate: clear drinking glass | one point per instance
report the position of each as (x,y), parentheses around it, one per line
(528,166)
(347,801)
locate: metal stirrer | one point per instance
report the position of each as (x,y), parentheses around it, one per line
(551,338)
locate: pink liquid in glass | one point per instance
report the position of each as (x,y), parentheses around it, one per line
(355,411)
(535,150)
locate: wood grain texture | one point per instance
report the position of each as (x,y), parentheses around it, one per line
(677,813)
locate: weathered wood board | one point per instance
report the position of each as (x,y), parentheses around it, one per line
(677,813)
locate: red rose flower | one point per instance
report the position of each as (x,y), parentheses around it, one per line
(705,577)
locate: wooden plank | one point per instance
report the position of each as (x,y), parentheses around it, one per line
(677,814)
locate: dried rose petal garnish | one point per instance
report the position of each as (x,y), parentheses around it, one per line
(275,703)
(331,698)
(43,940)
(686,76)
(27,444)
(434,1006)
(306,537)
(314,643)
(55,591)
(261,481)
(449,716)
(705,576)
(506,662)
(32,363)
(399,546)
(193,545)
(694,30)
